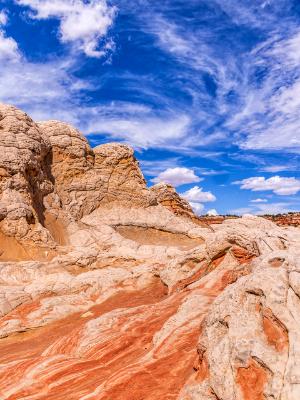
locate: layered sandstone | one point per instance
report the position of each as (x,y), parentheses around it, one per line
(289,219)
(169,198)
(111,290)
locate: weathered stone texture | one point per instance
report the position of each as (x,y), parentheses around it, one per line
(111,290)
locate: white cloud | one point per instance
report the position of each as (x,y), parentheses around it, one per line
(259,201)
(212,172)
(169,39)
(3,18)
(81,23)
(249,13)
(141,129)
(196,194)
(178,125)
(48,90)
(279,185)
(177,176)
(44,91)
(213,212)
(8,46)
(279,168)
(197,208)
(263,114)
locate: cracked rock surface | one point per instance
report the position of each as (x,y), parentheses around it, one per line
(110,290)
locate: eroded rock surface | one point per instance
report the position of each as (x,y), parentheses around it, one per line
(24,183)
(111,290)
(249,342)
(289,219)
(169,198)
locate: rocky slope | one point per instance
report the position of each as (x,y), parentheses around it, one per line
(111,290)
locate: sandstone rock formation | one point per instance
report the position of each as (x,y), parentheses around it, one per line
(289,219)
(23,182)
(85,178)
(111,290)
(169,198)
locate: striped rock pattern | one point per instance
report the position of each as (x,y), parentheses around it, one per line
(109,290)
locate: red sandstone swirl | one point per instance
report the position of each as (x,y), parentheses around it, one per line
(110,290)
(135,345)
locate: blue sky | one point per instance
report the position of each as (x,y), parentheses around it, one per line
(207,92)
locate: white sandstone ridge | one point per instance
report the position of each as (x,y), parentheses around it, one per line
(111,290)
(51,178)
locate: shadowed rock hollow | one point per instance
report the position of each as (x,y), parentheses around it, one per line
(111,290)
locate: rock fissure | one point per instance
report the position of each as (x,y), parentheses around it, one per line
(113,290)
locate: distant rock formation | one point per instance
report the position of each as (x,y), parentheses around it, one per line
(112,290)
(287,219)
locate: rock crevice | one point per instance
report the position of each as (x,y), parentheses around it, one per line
(112,290)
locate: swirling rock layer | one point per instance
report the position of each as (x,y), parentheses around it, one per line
(110,290)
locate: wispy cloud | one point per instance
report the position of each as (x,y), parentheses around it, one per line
(252,91)
(3,18)
(280,168)
(228,91)
(241,211)
(45,90)
(154,167)
(259,200)
(255,13)
(262,209)
(142,130)
(269,117)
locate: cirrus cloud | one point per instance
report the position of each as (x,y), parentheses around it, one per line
(259,201)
